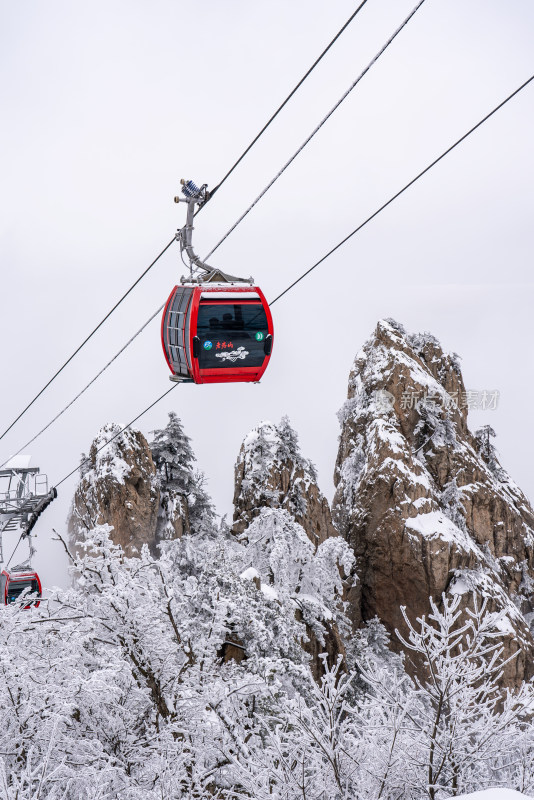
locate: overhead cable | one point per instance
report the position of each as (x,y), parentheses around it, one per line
(286,101)
(404,188)
(15,550)
(226,176)
(69,359)
(316,129)
(110,362)
(85,460)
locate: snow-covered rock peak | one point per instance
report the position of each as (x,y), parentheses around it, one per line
(272,472)
(117,487)
(423,502)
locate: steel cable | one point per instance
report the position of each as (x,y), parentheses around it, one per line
(286,101)
(110,362)
(226,176)
(401,191)
(108,315)
(316,129)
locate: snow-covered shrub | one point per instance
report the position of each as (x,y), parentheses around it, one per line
(185,676)
(292,571)
(465,723)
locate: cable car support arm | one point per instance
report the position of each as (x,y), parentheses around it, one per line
(193,195)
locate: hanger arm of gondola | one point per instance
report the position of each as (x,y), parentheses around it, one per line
(198,196)
(193,195)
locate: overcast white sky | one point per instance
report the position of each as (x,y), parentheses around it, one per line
(106,105)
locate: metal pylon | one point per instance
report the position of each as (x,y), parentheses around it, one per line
(24,495)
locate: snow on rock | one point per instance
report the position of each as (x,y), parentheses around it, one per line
(250,574)
(272,472)
(269,592)
(112,457)
(118,488)
(492,794)
(510,620)
(423,502)
(435,524)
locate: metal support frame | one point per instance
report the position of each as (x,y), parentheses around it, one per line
(193,195)
(24,495)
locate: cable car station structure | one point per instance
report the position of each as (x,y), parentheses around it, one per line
(24,495)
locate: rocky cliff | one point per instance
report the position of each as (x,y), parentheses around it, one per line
(119,485)
(423,503)
(285,522)
(272,472)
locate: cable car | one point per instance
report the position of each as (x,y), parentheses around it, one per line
(13,582)
(217,333)
(216,328)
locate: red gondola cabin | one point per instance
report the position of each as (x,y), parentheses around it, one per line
(217,333)
(13,582)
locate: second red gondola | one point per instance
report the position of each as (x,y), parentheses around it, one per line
(13,582)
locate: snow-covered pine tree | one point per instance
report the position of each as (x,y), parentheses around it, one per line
(435,428)
(451,500)
(181,485)
(485,447)
(85,465)
(288,448)
(173,454)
